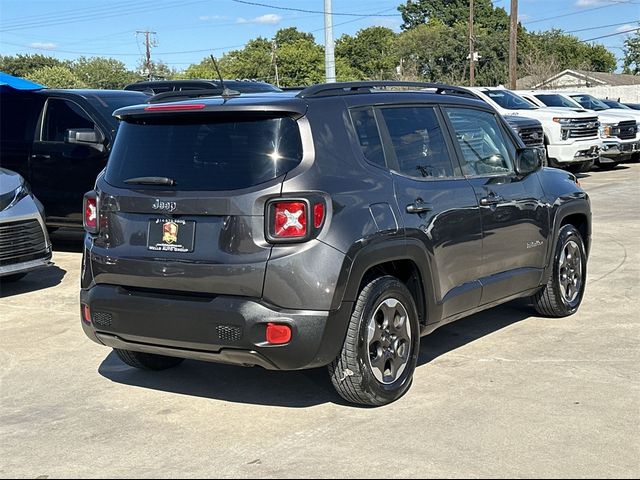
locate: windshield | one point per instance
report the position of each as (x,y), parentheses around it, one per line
(614,104)
(107,104)
(509,100)
(589,102)
(555,100)
(205,153)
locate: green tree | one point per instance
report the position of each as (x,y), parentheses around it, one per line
(56,77)
(632,54)
(370,52)
(292,35)
(253,61)
(23,65)
(300,63)
(450,12)
(104,73)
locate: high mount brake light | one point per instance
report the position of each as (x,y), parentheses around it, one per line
(175,108)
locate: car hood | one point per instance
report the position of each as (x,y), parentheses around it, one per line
(9,181)
(548,113)
(630,114)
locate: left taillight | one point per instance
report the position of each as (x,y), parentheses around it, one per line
(90,209)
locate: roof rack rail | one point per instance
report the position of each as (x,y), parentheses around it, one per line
(175,96)
(350,88)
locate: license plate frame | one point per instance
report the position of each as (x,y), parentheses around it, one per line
(171,235)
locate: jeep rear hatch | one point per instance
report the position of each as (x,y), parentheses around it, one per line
(182,202)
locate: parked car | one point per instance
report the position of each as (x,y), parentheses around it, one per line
(617,144)
(625,131)
(330,226)
(59,140)
(24,243)
(571,138)
(163,86)
(530,132)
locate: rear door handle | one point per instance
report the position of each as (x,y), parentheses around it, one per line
(491,199)
(419,207)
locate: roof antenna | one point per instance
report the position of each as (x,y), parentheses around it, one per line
(226,92)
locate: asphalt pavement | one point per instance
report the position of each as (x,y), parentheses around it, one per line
(502,394)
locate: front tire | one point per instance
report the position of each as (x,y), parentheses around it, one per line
(562,295)
(380,352)
(147,361)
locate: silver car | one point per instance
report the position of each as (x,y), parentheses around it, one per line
(24,242)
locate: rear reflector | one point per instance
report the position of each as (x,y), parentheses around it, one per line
(175,108)
(290,219)
(318,214)
(278,334)
(86,314)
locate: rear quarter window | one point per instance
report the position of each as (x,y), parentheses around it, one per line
(205,153)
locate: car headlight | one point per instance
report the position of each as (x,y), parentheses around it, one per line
(607,130)
(11,198)
(562,121)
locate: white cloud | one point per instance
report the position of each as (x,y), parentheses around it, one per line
(626,28)
(592,3)
(43,45)
(211,18)
(268,19)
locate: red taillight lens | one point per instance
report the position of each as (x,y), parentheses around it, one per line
(86,314)
(290,220)
(278,334)
(318,214)
(90,208)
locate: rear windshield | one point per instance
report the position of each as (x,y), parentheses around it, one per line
(205,155)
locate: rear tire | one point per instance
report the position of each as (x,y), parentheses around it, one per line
(608,165)
(380,352)
(562,295)
(147,361)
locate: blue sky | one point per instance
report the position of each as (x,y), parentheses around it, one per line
(189,30)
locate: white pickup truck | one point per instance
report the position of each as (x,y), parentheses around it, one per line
(572,138)
(619,142)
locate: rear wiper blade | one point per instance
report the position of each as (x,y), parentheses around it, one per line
(151,181)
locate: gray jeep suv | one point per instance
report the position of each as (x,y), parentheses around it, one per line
(329,226)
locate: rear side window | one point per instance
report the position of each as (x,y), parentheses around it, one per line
(418,143)
(201,153)
(366,127)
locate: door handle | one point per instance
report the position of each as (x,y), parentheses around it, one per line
(419,207)
(41,156)
(491,199)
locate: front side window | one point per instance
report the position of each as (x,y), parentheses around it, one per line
(486,150)
(418,142)
(63,115)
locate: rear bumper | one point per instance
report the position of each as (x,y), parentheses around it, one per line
(224,329)
(576,152)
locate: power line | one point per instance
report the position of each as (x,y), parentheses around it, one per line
(615,4)
(612,34)
(291,9)
(600,26)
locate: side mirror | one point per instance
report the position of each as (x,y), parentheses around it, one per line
(529,160)
(90,137)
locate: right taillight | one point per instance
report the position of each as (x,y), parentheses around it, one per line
(90,209)
(294,220)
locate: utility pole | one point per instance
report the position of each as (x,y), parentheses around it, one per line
(513,47)
(274,59)
(472,53)
(329,56)
(148,43)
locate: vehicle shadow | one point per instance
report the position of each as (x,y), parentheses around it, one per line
(67,240)
(299,389)
(36,280)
